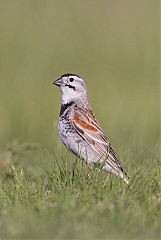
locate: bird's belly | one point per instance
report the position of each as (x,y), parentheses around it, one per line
(75,143)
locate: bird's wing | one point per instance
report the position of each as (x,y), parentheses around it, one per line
(87,127)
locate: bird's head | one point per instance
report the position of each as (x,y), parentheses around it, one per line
(72,87)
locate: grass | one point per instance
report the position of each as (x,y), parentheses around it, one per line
(59,200)
(44,191)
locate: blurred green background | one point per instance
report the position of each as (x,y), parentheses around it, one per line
(113,45)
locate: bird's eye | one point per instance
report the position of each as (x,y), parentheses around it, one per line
(71,79)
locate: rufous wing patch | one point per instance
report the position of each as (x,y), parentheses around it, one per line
(83,124)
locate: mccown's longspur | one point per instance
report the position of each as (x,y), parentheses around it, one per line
(79,129)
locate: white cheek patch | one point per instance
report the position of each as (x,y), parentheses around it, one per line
(68,94)
(73,92)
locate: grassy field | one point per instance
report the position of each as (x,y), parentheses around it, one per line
(45,192)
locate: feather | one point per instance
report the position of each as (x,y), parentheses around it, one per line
(87,127)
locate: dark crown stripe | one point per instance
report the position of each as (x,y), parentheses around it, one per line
(69,74)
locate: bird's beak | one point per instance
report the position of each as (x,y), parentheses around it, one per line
(58,82)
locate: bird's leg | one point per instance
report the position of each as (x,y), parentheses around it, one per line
(90,166)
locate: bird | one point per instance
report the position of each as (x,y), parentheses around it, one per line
(79,130)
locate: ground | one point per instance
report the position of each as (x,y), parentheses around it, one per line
(57,199)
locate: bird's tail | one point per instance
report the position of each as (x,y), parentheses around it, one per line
(122,174)
(112,163)
(117,170)
(125,177)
